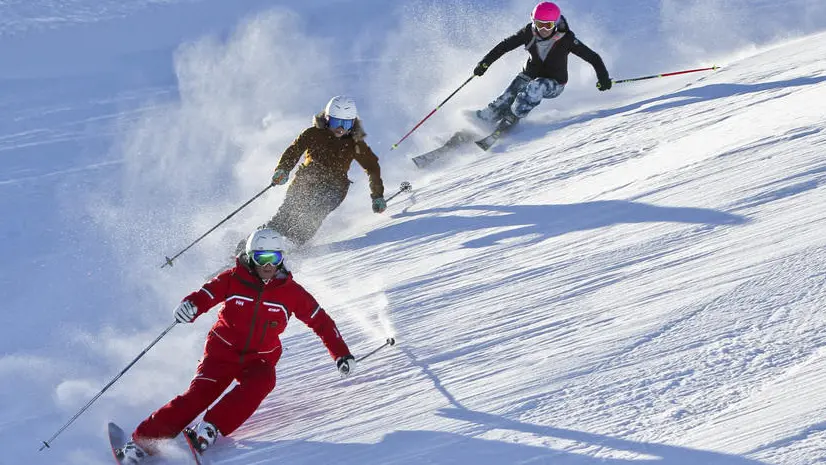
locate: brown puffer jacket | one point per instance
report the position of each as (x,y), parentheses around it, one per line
(328,157)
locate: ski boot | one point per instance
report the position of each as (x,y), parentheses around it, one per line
(202,436)
(483,120)
(130,454)
(508,120)
(488,115)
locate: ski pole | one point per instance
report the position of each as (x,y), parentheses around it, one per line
(405,187)
(88,404)
(620,81)
(169,260)
(389,342)
(396,145)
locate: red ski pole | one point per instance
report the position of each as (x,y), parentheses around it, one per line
(620,81)
(394,146)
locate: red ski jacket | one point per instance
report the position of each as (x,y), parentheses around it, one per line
(254,315)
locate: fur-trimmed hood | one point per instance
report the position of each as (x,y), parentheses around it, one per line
(357,133)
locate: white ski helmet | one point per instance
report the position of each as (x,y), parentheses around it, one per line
(265,239)
(341,107)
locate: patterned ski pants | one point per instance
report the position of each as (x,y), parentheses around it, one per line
(524,94)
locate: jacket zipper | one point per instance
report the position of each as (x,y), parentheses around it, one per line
(267,325)
(252,324)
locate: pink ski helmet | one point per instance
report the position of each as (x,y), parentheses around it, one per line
(546,12)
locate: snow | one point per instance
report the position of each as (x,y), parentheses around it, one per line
(632,276)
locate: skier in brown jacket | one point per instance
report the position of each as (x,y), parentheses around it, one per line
(329,146)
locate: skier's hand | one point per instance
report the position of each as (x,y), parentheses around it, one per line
(185,312)
(480,69)
(279,177)
(379,205)
(346,365)
(604,84)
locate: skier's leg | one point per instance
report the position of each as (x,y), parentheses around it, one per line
(496,109)
(255,382)
(210,381)
(286,214)
(532,94)
(291,217)
(290,210)
(323,203)
(285,217)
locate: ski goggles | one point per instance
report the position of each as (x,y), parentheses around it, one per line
(544,25)
(267,257)
(333,123)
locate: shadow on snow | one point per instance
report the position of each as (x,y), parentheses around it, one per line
(540,221)
(687,97)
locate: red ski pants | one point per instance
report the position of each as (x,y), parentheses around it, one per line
(256,379)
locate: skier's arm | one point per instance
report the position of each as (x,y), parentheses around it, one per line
(211,293)
(521,38)
(312,315)
(292,153)
(370,162)
(581,50)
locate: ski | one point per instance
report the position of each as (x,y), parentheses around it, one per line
(117,438)
(458,139)
(486,143)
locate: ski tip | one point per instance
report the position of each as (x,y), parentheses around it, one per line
(117,438)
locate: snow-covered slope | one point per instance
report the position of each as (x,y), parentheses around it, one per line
(633,277)
(645,282)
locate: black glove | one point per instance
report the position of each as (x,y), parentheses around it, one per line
(481,68)
(604,84)
(346,365)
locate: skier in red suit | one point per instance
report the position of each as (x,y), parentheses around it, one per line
(259,296)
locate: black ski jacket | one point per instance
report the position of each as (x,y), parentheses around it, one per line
(555,64)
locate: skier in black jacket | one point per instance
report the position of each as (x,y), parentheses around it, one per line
(548,40)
